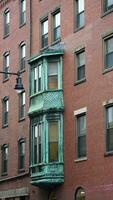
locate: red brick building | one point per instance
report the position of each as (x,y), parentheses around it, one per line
(69,47)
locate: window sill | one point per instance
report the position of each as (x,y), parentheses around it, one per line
(21,170)
(21,119)
(4,174)
(80,159)
(5,80)
(22,70)
(44,48)
(5,36)
(4,125)
(80,81)
(22,24)
(79,28)
(107,13)
(56,41)
(106,154)
(107,70)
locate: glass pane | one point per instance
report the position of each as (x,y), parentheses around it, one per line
(109,45)
(7,17)
(39,70)
(110,114)
(109,60)
(57,33)
(80,5)
(53,82)
(7,105)
(80,20)
(81,58)
(37,144)
(44,40)
(23,49)
(82,146)
(110,2)
(53,141)
(82,125)
(7,60)
(81,73)
(109,139)
(57,19)
(36,73)
(23,5)
(23,98)
(80,195)
(45,27)
(22,148)
(53,68)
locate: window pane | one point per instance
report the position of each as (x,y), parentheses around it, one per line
(37,144)
(81,65)
(109,45)
(23,98)
(23,5)
(110,2)
(80,195)
(53,75)
(110,115)
(109,139)
(81,136)
(80,20)
(53,141)
(109,60)
(81,58)
(53,68)
(23,51)
(82,146)
(7,17)
(80,6)
(81,73)
(45,27)
(7,105)
(57,19)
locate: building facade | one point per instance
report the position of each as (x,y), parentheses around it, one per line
(63,144)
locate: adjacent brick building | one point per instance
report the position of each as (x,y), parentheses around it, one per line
(68,97)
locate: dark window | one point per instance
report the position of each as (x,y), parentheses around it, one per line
(53,140)
(44,38)
(56,24)
(6,22)
(21,154)
(80,71)
(37,143)
(6,65)
(22,105)
(80,194)
(22,12)
(81,136)
(4,159)
(22,56)
(109,129)
(80,13)
(5,111)
(108,5)
(109,53)
(52,75)
(38,78)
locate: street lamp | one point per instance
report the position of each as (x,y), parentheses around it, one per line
(19,86)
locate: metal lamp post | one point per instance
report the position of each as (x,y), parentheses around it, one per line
(18,86)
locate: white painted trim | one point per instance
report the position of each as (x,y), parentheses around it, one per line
(107,102)
(80,111)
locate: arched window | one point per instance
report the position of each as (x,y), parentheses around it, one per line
(80,194)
